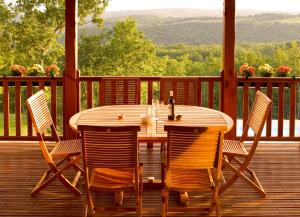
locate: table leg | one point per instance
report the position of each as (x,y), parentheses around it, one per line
(183,197)
(119,198)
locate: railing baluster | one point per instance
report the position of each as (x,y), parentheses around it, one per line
(99,93)
(199,92)
(41,85)
(245,103)
(280,109)
(89,94)
(28,94)
(53,104)
(150,91)
(18,107)
(210,94)
(269,120)
(6,107)
(292,108)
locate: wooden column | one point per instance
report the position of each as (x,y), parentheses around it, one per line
(229,92)
(71,73)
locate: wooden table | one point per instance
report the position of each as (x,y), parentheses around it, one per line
(154,131)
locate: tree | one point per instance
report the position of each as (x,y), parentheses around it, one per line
(122,51)
(34,27)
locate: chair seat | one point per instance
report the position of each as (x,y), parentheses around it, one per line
(107,178)
(187,179)
(67,147)
(234,148)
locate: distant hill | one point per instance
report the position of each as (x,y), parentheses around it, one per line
(182,12)
(175,26)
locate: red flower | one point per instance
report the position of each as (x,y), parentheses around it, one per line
(284,69)
(247,70)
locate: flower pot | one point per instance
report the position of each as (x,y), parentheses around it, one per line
(267,74)
(283,74)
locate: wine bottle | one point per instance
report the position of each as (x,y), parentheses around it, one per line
(171,107)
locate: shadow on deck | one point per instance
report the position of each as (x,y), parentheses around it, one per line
(276,164)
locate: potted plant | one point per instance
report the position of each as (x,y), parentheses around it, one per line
(266,70)
(52,70)
(283,71)
(17,70)
(35,70)
(247,70)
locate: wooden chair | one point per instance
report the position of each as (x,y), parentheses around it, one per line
(111,163)
(233,150)
(193,163)
(64,155)
(184,90)
(118,91)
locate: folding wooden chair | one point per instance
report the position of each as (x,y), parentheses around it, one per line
(111,163)
(63,156)
(184,90)
(193,163)
(118,91)
(233,150)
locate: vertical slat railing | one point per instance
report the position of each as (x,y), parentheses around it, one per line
(245,103)
(210,94)
(28,94)
(285,90)
(89,94)
(53,104)
(20,87)
(269,120)
(280,109)
(292,115)
(18,107)
(6,108)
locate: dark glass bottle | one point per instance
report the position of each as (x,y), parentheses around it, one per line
(171,107)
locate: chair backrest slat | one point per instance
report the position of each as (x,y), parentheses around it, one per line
(118,91)
(110,147)
(38,109)
(184,90)
(193,148)
(258,115)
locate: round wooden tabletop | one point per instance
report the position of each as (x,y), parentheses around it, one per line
(127,115)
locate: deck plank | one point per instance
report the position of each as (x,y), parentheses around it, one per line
(276,164)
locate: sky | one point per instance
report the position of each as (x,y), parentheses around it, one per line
(266,5)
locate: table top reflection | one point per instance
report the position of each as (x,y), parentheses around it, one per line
(125,115)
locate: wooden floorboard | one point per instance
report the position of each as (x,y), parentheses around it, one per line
(277,165)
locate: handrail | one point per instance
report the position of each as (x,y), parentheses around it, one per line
(284,92)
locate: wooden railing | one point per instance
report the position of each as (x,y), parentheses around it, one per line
(16,124)
(285,95)
(207,92)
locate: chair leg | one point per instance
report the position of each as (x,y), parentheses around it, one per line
(42,183)
(239,173)
(69,185)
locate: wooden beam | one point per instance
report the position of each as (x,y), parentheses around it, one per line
(229,92)
(71,73)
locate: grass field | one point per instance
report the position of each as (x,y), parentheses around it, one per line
(12,128)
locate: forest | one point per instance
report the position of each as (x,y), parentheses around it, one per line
(32,37)
(129,46)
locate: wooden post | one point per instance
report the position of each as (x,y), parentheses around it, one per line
(71,73)
(229,92)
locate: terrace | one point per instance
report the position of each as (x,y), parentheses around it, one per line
(276,161)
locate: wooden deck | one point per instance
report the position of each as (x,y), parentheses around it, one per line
(276,164)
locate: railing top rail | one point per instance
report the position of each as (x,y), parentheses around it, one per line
(149,78)
(269,79)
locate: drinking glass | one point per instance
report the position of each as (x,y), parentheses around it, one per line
(155,106)
(161,105)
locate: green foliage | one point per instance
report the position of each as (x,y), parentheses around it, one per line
(29,30)
(122,51)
